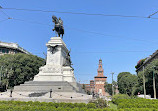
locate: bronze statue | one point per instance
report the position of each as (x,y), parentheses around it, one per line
(58,26)
(68,61)
(53,49)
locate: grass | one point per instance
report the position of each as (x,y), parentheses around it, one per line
(112,105)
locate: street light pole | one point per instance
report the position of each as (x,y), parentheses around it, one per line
(144,84)
(112,84)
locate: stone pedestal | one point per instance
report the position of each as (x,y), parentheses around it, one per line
(58,67)
(57,75)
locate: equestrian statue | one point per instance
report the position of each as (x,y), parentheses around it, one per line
(58,28)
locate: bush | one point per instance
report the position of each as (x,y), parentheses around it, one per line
(117,98)
(91,105)
(81,105)
(56,105)
(99,103)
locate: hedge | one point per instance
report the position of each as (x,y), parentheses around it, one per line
(123,105)
(137,104)
(44,106)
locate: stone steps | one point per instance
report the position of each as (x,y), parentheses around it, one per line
(43,86)
(54,83)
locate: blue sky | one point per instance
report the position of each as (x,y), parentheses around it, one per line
(125,40)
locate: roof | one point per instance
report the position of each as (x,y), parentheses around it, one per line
(13,46)
(91,80)
(100,77)
(148,59)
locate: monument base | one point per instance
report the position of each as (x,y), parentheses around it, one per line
(56,76)
(58,65)
(46,86)
(55,73)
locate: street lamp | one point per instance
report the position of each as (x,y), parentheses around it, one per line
(112,85)
(50,93)
(11,91)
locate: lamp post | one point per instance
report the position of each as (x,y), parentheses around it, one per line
(112,85)
(93,94)
(11,91)
(50,93)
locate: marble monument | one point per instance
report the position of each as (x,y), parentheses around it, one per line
(57,74)
(58,65)
(56,78)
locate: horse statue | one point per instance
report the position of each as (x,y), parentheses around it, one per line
(58,28)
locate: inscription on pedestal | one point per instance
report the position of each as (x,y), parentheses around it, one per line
(51,69)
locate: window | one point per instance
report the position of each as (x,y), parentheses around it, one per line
(100,91)
(7,51)
(3,50)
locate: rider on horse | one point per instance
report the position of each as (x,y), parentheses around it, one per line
(58,25)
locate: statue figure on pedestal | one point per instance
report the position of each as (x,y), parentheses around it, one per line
(58,28)
(68,61)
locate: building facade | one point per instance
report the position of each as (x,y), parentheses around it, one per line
(90,87)
(144,62)
(97,85)
(11,48)
(100,80)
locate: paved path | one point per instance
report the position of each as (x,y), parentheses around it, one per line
(56,97)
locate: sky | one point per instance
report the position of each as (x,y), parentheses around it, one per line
(119,41)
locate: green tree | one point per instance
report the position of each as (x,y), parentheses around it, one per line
(18,68)
(148,73)
(122,74)
(126,83)
(108,87)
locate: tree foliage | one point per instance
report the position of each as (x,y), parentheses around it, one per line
(18,68)
(126,82)
(148,73)
(100,103)
(117,97)
(108,87)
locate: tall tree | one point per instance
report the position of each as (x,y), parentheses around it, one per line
(18,68)
(126,82)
